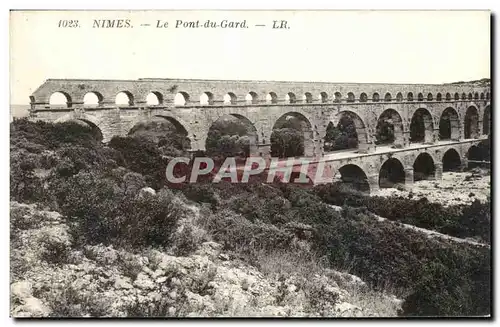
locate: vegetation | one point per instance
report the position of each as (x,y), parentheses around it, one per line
(98,187)
(457,220)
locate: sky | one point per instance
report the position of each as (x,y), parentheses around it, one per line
(334,46)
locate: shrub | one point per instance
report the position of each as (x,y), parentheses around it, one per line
(456,220)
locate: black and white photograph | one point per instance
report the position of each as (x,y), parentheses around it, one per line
(250,164)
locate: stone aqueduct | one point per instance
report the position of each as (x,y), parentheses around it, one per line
(116,106)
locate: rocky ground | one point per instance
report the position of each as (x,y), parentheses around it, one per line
(454,188)
(51,278)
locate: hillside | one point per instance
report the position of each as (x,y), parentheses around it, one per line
(96,231)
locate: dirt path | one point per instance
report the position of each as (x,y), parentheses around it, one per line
(428,232)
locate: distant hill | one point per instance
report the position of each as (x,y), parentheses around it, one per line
(478,82)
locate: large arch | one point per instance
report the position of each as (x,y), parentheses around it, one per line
(354,177)
(292,136)
(423,167)
(473,155)
(391,173)
(449,125)
(87,120)
(124,98)
(344,122)
(451,160)
(471,123)
(389,128)
(487,121)
(421,127)
(232,132)
(154,98)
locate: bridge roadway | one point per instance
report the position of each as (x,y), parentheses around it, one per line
(427,160)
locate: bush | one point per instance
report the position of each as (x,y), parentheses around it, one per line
(103,212)
(142,156)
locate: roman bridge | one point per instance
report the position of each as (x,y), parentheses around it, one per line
(452,117)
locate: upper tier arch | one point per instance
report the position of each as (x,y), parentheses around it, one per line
(168,88)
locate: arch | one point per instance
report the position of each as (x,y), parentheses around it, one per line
(124,98)
(323,97)
(230,98)
(207,98)
(354,177)
(430,97)
(88,120)
(482,96)
(92,99)
(439,97)
(457,96)
(423,167)
(420,97)
(421,127)
(376,97)
(464,96)
(451,160)
(409,96)
(307,98)
(60,99)
(391,173)
(469,97)
(448,96)
(363,97)
(292,136)
(232,135)
(389,128)
(350,97)
(154,99)
(449,125)
(486,121)
(338,97)
(290,98)
(474,154)
(471,123)
(487,95)
(252,98)
(476,96)
(181,99)
(387,97)
(399,97)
